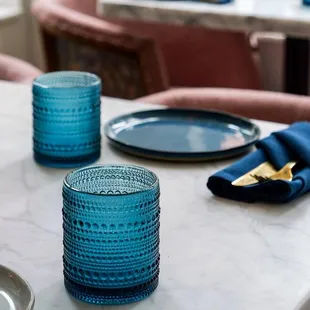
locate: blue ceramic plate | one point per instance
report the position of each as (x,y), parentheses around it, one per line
(182,134)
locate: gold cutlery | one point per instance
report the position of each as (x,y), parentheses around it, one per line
(266,172)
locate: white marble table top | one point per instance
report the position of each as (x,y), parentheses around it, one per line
(287,16)
(216,254)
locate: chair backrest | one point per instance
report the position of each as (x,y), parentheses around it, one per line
(129,66)
(201,57)
(83,6)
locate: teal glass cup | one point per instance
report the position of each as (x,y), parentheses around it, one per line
(111,233)
(66,119)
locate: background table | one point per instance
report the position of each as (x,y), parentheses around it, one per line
(215,254)
(287,16)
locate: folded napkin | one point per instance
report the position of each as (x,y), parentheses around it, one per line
(279,148)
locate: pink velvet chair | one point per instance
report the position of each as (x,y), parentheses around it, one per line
(130,66)
(262,105)
(127,54)
(16,70)
(199,57)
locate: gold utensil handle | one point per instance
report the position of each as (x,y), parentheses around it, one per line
(265,172)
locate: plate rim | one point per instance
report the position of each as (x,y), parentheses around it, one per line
(32,296)
(182,155)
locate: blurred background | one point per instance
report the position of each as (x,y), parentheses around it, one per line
(19,33)
(20,37)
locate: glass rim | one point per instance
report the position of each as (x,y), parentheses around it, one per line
(37,83)
(150,188)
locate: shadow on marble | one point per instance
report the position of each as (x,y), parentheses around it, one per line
(55,297)
(261,216)
(128,156)
(156,165)
(275,209)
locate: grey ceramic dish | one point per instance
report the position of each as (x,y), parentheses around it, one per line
(15,291)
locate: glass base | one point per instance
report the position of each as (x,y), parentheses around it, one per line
(56,162)
(101,296)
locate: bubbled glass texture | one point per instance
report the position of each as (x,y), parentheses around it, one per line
(111,233)
(66,119)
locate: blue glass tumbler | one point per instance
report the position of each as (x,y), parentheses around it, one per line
(111,233)
(66,119)
(306,2)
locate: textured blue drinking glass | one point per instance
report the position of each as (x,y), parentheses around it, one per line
(66,119)
(111,233)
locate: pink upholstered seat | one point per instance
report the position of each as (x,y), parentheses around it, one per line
(262,105)
(16,70)
(198,57)
(129,65)
(82,6)
(193,57)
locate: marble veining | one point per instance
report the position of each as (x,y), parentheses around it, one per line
(287,16)
(216,254)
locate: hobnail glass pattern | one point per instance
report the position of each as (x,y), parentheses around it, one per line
(66,119)
(111,233)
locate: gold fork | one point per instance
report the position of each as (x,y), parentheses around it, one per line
(266,172)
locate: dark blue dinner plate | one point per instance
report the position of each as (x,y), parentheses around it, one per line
(182,134)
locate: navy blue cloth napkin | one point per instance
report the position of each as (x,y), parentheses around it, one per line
(279,148)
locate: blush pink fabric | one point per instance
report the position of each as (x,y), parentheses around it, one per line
(56,15)
(83,6)
(16,70)
(262,105)
(197,57)
(194,57)
(57,20)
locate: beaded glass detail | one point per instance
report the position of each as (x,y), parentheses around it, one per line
(66,119)
(111,233)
